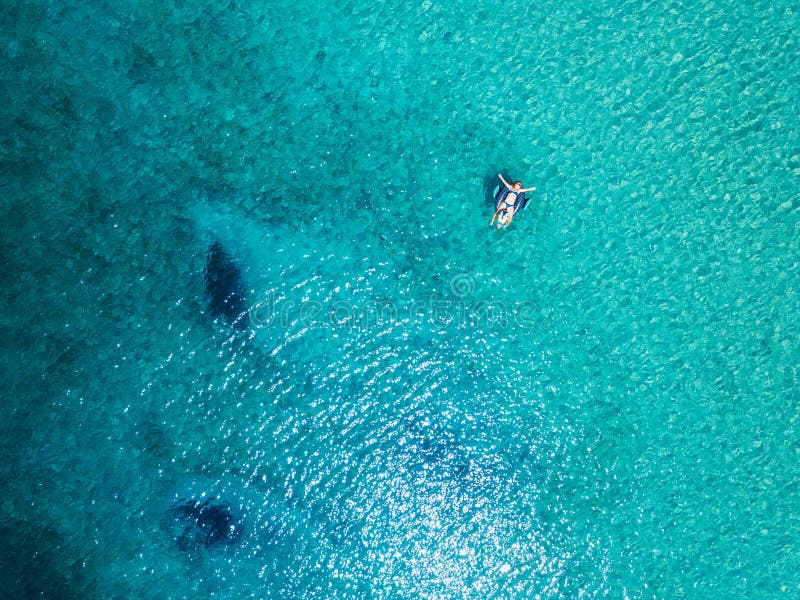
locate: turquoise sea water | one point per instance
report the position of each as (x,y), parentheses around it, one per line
(599,402)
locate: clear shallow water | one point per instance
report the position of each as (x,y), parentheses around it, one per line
(600,401)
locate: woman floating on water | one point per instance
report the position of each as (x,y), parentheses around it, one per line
(508,201)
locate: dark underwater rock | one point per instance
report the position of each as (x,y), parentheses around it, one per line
(223,279)
(205,524)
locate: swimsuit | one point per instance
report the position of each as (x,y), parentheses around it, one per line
(506,199)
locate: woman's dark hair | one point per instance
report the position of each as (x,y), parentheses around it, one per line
(519,183)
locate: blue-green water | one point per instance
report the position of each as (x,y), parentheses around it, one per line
(600,402)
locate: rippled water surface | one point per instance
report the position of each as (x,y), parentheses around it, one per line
(397,401)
